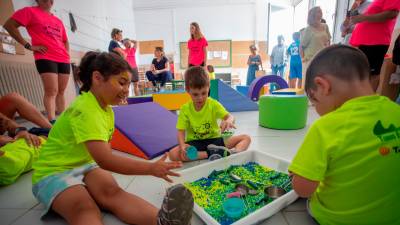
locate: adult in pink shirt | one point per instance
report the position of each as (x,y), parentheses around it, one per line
(50,49)
(373,33)
(130,51)
(197,46)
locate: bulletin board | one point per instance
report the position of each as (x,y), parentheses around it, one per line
(219,53)
(148,47)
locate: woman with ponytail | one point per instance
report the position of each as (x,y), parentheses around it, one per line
(73,173)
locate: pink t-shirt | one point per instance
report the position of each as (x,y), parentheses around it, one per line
(196,53)
(130,56)
(45,29)
(367,33)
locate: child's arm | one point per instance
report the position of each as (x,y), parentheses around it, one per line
(182,144)
(102,154)
(227,123)
(303,186)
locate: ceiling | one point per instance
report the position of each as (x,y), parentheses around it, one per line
(168,4)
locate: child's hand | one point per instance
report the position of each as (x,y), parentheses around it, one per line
(226,125)
(183,153)
(4,139)
(163,169)
(30,139)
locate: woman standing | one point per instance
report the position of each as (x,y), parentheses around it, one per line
(254,61)
(50,49)
(197,46)
(373,33)
(115,44)
(314,37)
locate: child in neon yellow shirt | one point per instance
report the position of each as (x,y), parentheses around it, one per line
(211,72)
(349,161)
(72,175)
(197,122)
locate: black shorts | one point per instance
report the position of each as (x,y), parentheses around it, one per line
(191,65)
(48,66)
(135,74)
(201,145)
(375,55)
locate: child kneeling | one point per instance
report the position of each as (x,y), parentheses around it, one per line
(349,161)
(197,122)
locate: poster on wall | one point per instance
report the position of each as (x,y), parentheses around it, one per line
(210,55)
(7,42)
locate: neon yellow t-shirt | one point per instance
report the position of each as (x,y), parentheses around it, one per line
(64,150)
(354,152)
(17,159)
(211,75)
(201,124)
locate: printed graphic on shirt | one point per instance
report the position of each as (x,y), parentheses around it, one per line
(53,30)
(390,138)
(294,50)
(202,130)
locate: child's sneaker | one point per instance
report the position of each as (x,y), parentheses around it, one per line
(219,150)
(177,207)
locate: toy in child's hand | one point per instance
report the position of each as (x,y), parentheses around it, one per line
(227,134)
(191,153)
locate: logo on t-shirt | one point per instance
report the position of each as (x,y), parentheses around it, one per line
(53,30)
(390,138)
(202,131)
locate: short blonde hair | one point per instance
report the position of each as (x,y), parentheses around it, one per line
(311,15)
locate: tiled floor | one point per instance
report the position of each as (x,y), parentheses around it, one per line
(19,207)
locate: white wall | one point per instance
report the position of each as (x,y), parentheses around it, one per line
(218,22)
(94,18)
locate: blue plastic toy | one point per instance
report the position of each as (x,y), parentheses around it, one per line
(233,207)
(191,153)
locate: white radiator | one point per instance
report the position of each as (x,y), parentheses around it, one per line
(24,79)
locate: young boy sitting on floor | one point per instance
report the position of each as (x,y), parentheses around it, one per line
(197,121)
(349,161)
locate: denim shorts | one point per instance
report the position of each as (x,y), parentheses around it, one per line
(47,189)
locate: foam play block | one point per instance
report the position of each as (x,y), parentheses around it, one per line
(171,100)
(243,89)
(232,100)
(283,112)
(258,84)
(140,99)
(289,91)
(146,130)
(214,89)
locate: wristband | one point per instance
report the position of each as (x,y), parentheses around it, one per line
(28,46)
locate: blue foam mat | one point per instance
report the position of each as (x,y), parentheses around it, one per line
(234,101)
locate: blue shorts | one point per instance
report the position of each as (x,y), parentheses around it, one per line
(295,71)
(47,189)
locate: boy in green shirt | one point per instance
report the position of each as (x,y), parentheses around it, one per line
(349,161)
(198,122)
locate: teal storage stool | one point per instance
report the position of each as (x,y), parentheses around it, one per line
(283,112)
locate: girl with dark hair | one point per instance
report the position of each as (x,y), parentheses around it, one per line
(50,49)
(197,46)
(72,175)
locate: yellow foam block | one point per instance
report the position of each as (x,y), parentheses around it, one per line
(293,91)
(171,101)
